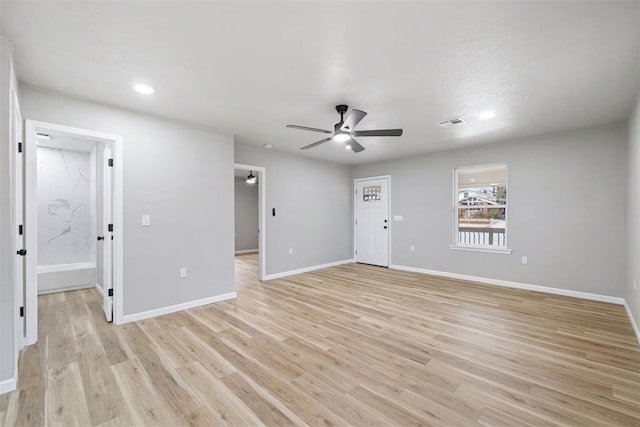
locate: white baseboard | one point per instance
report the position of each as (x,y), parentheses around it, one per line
(517,285)
(99,289)
(246,251)
(633,321)
(306,269)
(178,307)
(8,385)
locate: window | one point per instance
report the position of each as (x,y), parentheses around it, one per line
(481,208)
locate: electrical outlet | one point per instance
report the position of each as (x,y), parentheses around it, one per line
(146,220)
(412,248)
(183,272)
(525,260)
(290,251)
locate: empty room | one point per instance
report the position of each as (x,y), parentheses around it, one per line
(319,213)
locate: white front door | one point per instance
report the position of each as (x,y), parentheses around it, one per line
(372,221)
(18,161)
(106,234)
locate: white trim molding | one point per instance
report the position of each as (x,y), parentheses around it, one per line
(389,216)
(178,307)
(517,285)
(247,251)
(262,215)
(99,289)
(307,269)
(633,321)
(8,385)
(481,249)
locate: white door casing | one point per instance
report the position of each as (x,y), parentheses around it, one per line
(107,234)
(32,127)
(18,221)
(261,173)
(372,222)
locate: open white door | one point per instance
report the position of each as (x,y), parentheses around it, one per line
(106,235)
(372,221)
(19,265)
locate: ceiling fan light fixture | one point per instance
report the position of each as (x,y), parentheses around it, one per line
(341,137)
(251,179)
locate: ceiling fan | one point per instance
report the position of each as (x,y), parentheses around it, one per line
(343,131)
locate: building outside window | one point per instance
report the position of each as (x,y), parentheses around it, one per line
(481,207)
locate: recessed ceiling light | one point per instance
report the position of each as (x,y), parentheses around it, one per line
(143,89)
(486,115)
(268,146)
(347,147)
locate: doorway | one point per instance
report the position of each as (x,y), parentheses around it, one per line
(372,220)
(73,216)
(249,195)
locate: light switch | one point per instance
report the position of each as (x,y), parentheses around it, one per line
(398,218)
(146,220)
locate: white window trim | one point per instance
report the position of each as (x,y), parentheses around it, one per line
(479,248)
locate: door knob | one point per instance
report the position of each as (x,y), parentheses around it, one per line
(100,237)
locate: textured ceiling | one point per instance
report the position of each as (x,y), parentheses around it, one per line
(252,67)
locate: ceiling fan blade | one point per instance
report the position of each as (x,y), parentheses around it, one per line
(309,129)
(322,141)
(354,117)
(378,132)
(355,145)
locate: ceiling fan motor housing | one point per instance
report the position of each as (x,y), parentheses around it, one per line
(341,109)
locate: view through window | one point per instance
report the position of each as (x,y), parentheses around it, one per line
(481,207)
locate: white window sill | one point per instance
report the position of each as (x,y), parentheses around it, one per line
(481,249)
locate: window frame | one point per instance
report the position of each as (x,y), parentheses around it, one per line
(456,211)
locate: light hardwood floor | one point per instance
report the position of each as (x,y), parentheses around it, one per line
(348,345)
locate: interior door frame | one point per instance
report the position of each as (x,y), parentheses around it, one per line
(17,183)
(355,215)
(31,221)
(262,215)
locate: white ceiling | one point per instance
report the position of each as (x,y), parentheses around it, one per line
(252,67)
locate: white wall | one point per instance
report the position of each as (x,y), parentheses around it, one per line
(313,209)
(8,310)
(566,210)
(64,207)
(246,216)
(180,175)
(633,216)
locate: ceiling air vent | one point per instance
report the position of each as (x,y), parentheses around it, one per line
(452,122)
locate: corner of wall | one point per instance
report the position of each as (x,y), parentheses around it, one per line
(632,296)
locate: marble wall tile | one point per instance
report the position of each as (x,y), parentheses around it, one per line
(64,207)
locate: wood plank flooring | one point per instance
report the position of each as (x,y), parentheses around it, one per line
(348,345)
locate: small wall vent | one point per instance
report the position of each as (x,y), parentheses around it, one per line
(452,122)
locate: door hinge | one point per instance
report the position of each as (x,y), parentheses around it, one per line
(19,147)
(20,230)
(110,293)
(21,311)
(110,227)
(110,162)
(22,252)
